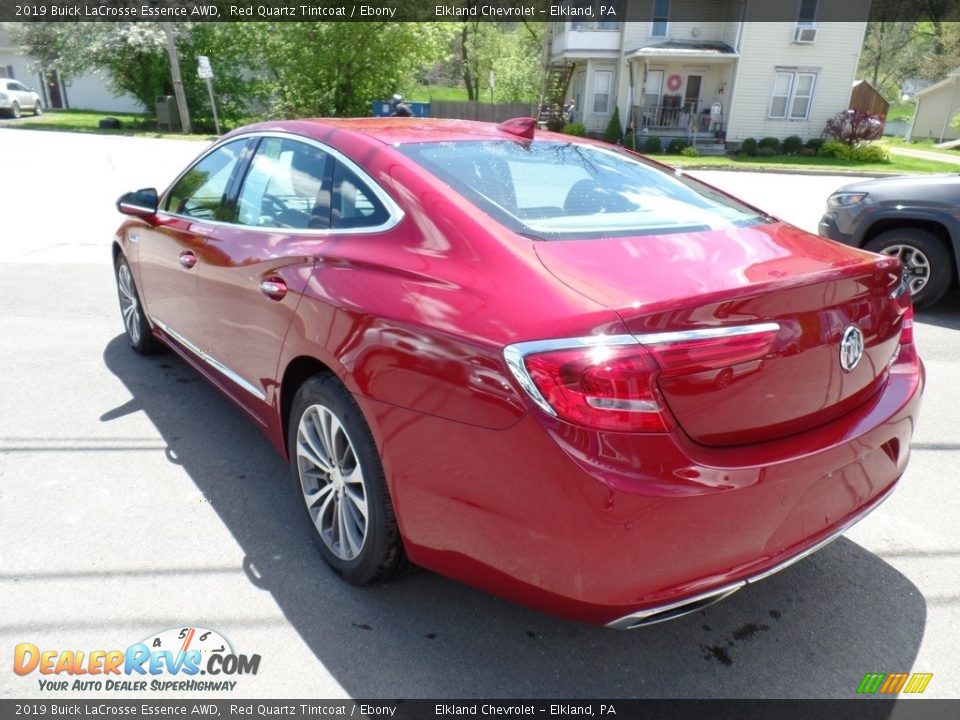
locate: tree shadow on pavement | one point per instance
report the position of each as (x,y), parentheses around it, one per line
(813,630)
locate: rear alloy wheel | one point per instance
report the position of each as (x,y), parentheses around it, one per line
(15,110)
(335,464)
(38,108)
(926,261)
(134,321)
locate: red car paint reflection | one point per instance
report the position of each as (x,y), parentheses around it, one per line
(590,384)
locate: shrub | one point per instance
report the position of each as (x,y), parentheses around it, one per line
(578,129)
(614,133)
(676,146)
(748,147)
(792,145)
(652,145)
(767,152)
(629,141)
(814,144)
(870,153)
(835,149)
(808,152)
(690,152)
(853,127)
(770,142)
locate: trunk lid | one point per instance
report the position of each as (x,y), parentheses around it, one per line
(813,288)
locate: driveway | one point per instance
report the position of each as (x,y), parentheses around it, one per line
(134,498)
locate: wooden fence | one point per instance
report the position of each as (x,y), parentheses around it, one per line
(487,112)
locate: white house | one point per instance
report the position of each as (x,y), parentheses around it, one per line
(697,65)
(937,105)
(87,92)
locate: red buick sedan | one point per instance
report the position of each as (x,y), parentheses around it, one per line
(541,365)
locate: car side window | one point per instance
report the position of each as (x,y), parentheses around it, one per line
(201,192)
(354,203)
(287,186)
(17,86)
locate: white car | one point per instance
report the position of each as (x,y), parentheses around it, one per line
(15,97)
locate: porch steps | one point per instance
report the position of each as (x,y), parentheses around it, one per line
(555,84)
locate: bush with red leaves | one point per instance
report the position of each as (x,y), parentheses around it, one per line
(854,127)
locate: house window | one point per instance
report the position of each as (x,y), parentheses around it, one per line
(792,95)
(661,16)
(807,16)
(602,83)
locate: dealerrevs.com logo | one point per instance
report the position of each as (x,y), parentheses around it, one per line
(170,660)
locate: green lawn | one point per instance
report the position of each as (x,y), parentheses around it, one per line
(897,164)
(87,121)
(925,144)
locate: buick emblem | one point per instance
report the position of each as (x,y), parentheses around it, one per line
(851,348)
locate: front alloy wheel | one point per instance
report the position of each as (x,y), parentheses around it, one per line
(336,467)
(134,321)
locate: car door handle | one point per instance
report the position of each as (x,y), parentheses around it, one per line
(273,288)
(188,259)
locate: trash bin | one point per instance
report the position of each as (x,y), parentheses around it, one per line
(168,114)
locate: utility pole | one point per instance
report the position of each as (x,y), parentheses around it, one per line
(177,81)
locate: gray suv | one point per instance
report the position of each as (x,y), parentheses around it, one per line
(914,218)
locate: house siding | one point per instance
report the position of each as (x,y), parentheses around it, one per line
(768,46)
(935,107)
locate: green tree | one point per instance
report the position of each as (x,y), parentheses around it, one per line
(133,59)
(338,69)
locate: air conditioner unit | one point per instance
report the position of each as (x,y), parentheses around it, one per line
(805,34)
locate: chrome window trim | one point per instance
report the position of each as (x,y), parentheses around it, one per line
(210,360)
(394,212)
(515,353)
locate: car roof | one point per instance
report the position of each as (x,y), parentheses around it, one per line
(393,130)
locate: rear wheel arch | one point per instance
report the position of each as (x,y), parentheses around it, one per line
(297,372)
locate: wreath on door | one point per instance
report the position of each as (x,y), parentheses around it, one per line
(674,82)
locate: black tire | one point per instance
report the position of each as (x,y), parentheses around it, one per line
(15,110)
(381,555)
(38,108)
(135,323)
(925,257)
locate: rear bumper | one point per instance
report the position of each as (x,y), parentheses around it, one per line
(621,529)
(671,611)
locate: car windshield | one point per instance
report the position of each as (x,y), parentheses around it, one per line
(556,190)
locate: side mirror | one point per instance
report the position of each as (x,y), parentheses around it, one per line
(141,203)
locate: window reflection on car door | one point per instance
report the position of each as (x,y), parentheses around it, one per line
(169,253)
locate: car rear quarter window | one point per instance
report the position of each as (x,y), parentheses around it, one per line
(557,190)
(354,204)
(201,191)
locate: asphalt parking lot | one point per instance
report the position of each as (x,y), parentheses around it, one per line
(134,498)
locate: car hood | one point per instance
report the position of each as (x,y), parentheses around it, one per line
(906,188)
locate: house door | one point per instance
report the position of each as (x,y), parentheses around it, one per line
(691,95)
(54,97)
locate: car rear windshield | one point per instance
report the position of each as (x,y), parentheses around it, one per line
(556,190)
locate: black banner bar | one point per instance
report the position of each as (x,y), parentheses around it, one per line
(858,709)
(589,13)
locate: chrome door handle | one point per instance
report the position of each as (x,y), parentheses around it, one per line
(273,288)
(187,259)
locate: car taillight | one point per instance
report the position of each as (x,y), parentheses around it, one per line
(906,327)
(607,388)
(610,383)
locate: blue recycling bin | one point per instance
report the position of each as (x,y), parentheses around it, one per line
(381,108)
